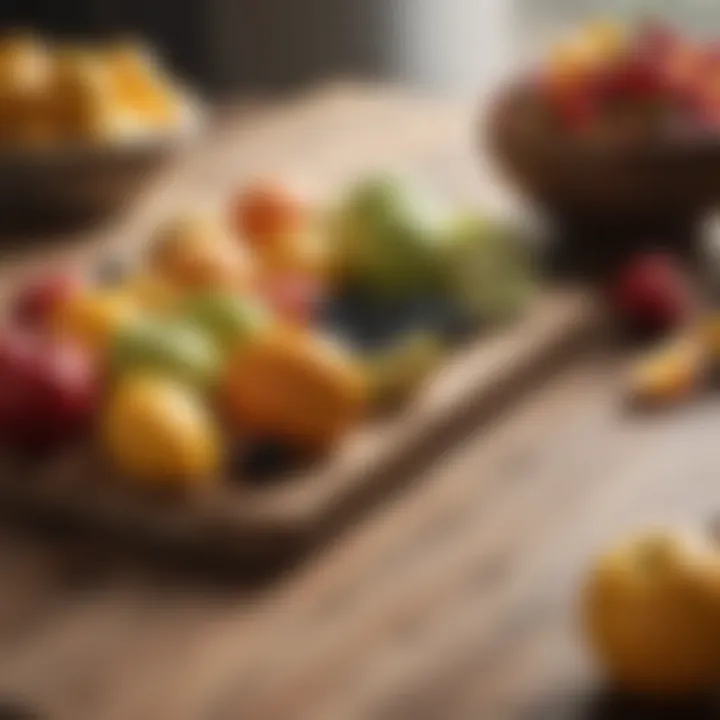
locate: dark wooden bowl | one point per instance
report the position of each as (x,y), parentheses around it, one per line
(609,196)
(85,181)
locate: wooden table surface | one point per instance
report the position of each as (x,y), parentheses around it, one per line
(454,601)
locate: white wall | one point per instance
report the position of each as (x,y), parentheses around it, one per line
(454,45)
(443,44)
(701,16)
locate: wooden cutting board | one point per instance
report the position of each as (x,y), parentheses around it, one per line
(270,523)
(325,140)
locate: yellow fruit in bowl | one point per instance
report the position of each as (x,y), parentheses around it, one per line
(140,86)
(652,613)
(159,433)
(606,38)
(79,102)
(596,44)
(197,252)
(25,73)
(93,317)
(23,60)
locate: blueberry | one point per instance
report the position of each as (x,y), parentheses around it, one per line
(371,322)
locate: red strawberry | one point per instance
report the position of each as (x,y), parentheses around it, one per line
(653,294)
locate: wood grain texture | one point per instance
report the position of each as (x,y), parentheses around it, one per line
(243,523)
(455,601)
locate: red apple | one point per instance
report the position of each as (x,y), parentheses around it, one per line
(653,294)
(36,302)
(49,390)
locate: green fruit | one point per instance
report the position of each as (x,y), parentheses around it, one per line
(489,269)
(389,235)
(395,372)
(228,319)
(169,349)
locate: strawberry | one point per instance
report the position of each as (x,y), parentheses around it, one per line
(652,293)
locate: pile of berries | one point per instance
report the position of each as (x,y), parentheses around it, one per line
(617,80)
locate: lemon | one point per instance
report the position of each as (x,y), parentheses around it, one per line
(159,432)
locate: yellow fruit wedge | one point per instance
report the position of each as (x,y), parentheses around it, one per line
(669,374)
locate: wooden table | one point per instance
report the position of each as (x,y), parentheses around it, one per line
(454,601)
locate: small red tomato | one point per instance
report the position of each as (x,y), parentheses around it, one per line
(293,298)
(49,390)
(35,304)
(653,294)
(265,211)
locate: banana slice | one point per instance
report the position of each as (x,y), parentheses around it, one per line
(671,373)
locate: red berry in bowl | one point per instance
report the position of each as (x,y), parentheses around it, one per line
(652,294)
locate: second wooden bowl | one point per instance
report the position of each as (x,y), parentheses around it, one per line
(619,194)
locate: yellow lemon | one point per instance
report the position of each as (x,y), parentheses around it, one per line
(670,373)
(158,431)
(651,612)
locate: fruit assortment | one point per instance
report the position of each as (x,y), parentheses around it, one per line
(62,94)
(654,298)
(608,79)
(273,324)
